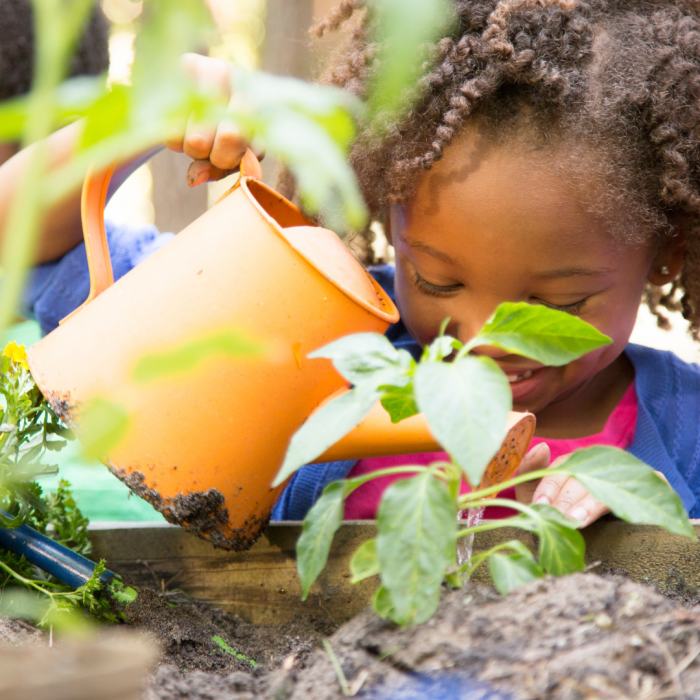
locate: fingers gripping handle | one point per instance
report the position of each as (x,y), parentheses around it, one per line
(92,207)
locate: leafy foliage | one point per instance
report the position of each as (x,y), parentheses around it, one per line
(466,403)
(30,430)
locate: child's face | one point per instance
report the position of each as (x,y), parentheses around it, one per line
(489,225)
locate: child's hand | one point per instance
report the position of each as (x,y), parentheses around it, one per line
(562,492)
(217,150)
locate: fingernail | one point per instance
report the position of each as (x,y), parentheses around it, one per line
(544,500)
(579,513)
(201,178)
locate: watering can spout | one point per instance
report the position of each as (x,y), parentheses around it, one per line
(377,436)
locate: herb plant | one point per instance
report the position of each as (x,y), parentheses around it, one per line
(29,429)
(466,402)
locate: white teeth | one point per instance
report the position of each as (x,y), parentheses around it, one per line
(513,379)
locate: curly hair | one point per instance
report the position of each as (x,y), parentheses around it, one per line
(91,56)
(617,78)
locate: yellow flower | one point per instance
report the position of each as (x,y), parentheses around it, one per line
(16,353)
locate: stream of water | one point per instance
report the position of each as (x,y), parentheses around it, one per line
(465,545)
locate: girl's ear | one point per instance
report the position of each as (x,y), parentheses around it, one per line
(668,261)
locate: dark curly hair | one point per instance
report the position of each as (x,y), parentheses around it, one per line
(612,78)
(91,57)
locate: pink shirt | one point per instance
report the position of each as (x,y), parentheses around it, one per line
(362,504)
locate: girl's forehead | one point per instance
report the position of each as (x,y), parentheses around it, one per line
(503,203)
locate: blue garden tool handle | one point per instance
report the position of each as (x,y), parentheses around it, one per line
(56,559)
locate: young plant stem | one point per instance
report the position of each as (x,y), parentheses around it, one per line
(465,499)
(26,581)
(468,568)
(342,680)
(495,524)
(352,484)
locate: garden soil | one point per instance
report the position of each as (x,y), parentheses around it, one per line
(581,636)
(574,638)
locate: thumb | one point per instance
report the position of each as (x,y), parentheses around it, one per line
(537,458)
(201,171)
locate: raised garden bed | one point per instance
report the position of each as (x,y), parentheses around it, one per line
(262,585)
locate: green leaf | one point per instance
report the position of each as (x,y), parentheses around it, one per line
(631,489)
(365,561)
(109,115)
(120,592)
(416,534)
(561,545)
(403,26)
(399,402)
(186,356)
(440,348)
(221,642)
(367,358)
(510,571)
(545,335)
(103,426)
(466,404)
(381,602)
(320,524)
(324,428)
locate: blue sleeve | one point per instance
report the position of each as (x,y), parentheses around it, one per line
(306,486)
(59,287)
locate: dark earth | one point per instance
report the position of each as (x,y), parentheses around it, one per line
(578,637)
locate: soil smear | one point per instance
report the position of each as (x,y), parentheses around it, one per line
(580,636)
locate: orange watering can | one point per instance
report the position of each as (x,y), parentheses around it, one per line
(204,447)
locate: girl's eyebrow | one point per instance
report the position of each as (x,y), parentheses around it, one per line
(424,248)
(577,271)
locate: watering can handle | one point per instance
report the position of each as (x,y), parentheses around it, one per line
(92,208)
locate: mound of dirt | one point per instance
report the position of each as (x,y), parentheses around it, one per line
(17,632)
(581,636)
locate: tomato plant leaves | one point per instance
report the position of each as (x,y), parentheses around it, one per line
(546,335)
(399,402)
(324,428)
(561,545)
(631,489)
(320,525)
(466,404)
(510,571)
(365,561)
(368,359)
(417,530)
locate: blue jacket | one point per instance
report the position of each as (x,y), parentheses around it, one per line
(58,287)
(666,437)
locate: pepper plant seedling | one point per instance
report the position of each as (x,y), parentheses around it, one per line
(466,401)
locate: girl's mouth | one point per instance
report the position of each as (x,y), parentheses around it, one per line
(525,383)
(515,378)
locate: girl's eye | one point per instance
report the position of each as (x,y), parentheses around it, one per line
(434,289)
(573,309)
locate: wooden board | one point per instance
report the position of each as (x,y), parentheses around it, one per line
(262,585)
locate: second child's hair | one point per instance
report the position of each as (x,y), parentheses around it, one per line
(91,56)
(617,82)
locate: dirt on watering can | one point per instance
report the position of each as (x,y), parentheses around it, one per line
(202,513)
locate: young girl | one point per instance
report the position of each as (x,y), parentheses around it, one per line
(553,157)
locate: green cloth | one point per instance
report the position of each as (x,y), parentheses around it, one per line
(99,494)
